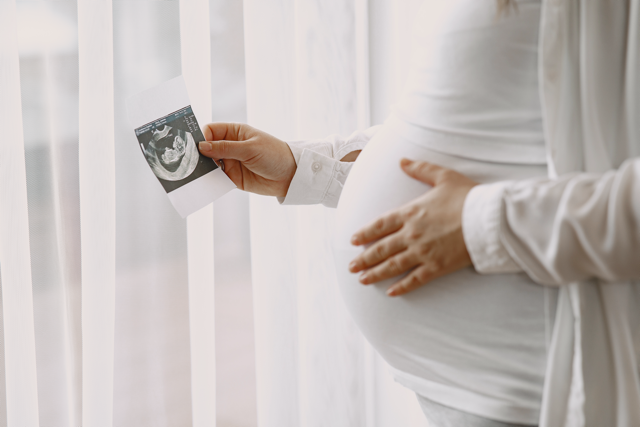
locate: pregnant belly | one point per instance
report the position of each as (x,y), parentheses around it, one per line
(472,342)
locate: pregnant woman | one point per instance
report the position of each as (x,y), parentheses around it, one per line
(474,348)
(470,342)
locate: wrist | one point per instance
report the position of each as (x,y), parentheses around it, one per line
(291,166)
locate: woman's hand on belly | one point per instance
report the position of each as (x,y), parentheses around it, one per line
(425,235)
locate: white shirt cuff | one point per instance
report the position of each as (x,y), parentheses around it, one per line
(318,179)
(481,217)
(318,145)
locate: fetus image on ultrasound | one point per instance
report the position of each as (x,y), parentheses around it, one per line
(171,153)
(169,145)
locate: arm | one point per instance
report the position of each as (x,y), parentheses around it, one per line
(558,231)
(302,172)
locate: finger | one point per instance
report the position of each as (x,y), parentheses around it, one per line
(220,131)
(392,267)
(241,151)
(422,171)
(417,278)
(377,253)
(379,228)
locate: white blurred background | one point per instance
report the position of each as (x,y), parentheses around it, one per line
(152,331)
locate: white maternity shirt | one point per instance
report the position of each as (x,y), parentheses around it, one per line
(470,342)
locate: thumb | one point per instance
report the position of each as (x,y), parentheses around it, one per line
(237,150)
(422,171)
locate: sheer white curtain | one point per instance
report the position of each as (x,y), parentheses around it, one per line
(15,265)
(107,294)
(313,68)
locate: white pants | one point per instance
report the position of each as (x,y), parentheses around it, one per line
(470,342)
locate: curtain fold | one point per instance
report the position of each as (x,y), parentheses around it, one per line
(268,29)
(15,262)
(97,208)
(196,67)
(152,372)
(57,302)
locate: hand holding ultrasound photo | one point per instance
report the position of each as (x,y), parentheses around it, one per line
(168,134)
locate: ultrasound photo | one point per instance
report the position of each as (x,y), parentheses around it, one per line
(170,146)
(168,133)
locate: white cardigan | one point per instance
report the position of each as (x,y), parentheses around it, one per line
(587,227)
(580,229)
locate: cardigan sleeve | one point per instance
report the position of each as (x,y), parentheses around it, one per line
(576,227)
(320,175)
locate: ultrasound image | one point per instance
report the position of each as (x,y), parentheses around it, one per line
(169,145)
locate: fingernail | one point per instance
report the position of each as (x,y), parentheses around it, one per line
(354,240)
(352,266)
(204,146)
(391,292)
(405,162)
(363,279)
